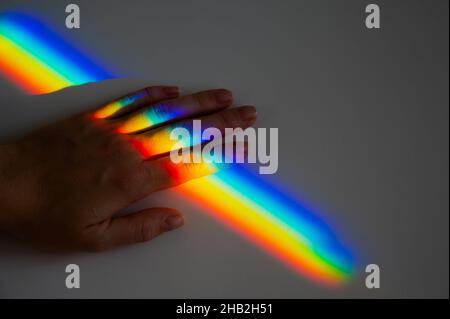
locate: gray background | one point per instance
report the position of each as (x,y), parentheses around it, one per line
(363,120)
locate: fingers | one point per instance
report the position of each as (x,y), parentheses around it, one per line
(136,100)
(165,173)
(195,104)
(156,142)
(140,227)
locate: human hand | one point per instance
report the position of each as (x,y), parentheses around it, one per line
(61,186)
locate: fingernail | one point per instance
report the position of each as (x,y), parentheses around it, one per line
(248,113)
(223,97)
(172,222)
(171,90)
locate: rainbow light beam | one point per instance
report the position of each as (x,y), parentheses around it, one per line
(29,49)
(115,106)
(158,141)
(38,61)
(273,221)
(153,116)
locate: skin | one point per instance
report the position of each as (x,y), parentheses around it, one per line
(62,185)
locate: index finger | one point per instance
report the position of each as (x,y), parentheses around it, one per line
(136,100)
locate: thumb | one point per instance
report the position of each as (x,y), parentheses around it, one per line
(142,226)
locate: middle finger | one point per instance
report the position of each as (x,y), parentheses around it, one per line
(168,111)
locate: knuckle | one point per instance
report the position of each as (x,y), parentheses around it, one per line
(116,146)
(229,119)
(161,109)
(148,172)
(95,239)
(150,177)
(149,91)
(145,230)
(128,180)
(204,98)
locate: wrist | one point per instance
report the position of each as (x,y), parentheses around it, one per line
(8,154)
